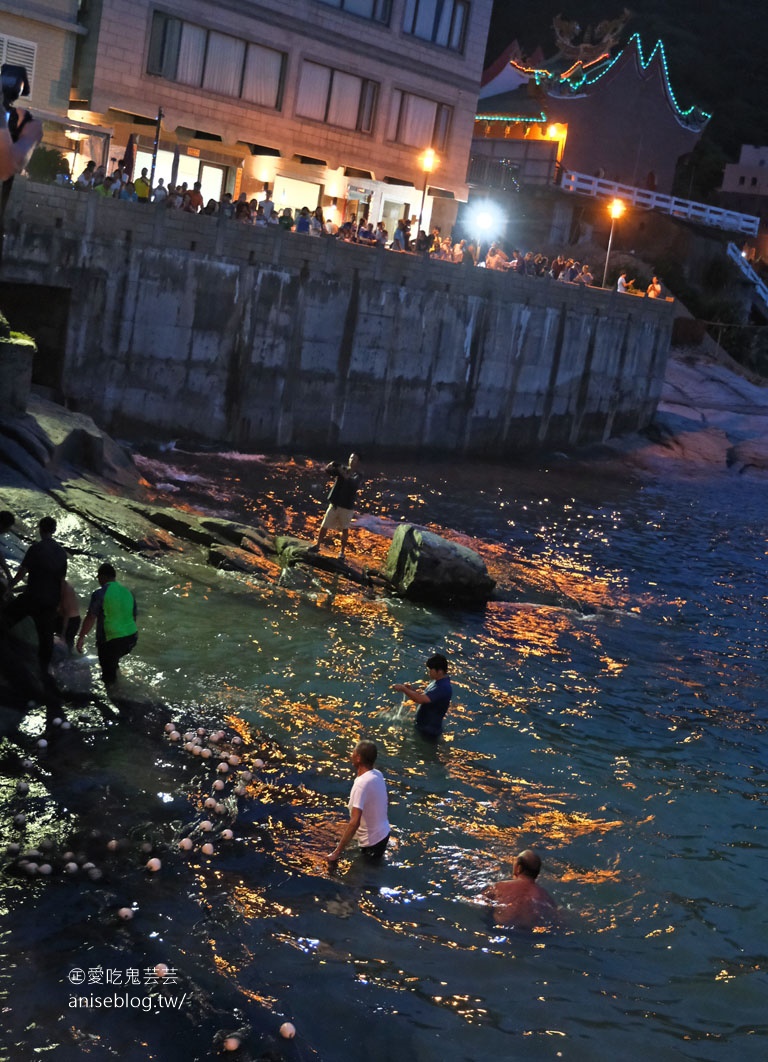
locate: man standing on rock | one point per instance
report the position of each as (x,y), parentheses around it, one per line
(113,609)
(45,566)
(434,701)
(338,516)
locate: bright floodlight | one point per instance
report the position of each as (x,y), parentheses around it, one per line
(486,218)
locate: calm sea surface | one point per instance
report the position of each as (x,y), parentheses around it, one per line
(614,717)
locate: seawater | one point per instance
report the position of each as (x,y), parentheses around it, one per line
(613,717)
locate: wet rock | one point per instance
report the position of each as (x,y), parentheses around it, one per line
(426,567)
(750,455)
(16,456)
(232,559)
(78,444)
(116,518)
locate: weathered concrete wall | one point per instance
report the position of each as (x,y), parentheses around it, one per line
(16,354)
(194,326)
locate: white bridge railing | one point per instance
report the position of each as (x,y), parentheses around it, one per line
(582,184)
(736,256)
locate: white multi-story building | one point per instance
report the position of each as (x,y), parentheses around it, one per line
(327,102)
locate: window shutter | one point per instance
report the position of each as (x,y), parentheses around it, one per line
(20,53)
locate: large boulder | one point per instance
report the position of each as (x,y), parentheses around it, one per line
(426,567)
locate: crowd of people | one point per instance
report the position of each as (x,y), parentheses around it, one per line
(406,236)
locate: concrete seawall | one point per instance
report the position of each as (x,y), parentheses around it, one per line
(200,327)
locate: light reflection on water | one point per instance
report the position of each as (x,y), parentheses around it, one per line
(613,718)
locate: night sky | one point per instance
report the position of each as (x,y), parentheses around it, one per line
(716,52)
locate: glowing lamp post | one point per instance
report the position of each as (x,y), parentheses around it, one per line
(616,209)
(428,163)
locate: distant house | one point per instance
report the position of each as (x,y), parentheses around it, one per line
(588,110)
(745,188)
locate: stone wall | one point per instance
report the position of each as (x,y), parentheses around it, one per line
(202,328)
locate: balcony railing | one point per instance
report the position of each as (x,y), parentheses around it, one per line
(703,213)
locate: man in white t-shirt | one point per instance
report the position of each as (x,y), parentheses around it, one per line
(367,806)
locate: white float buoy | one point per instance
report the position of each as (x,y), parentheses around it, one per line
(66,725)
(246,776)
(287,1030)
(125,913)
(206,753)
(202,731)
(89,866)
(94,874)
(196,750)
(22,788)
(220,809)
(210,803)
(258,762)
(31,868)
(206,826)
(240,790)
(227,835)
(233,760)
(169,727)
(207,849)
(161,970)
(45,868)
(153,864)
(71,868)
(232,1043)
(185,844)
(174,735)
(113,845)
(237,740)
(57,721)
(218,785)
(42,744)
(223,767)
(26,764)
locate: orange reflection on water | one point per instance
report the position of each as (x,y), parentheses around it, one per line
(565,826)
(253,903)
(532,630)
(231,971)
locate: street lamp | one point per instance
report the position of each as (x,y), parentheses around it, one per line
(615,209)
(428,163)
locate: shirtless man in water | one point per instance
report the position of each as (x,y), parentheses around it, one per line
(520,902)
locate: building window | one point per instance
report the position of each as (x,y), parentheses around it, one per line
(373,10)
(753,181)
(418,122)
(442,22)
(215,62)
(19,53)
(336,98)
(741,180)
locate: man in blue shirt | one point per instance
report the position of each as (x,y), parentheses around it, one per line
(434,701)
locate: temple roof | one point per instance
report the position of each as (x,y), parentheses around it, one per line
(520,87)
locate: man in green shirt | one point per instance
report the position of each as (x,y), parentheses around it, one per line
(112,609)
